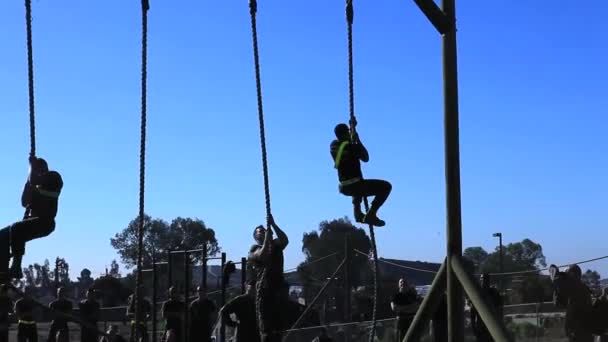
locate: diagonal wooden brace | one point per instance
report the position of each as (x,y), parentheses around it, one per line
(480,301)
(428,306)
(435,15)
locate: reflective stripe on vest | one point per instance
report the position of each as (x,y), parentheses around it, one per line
(340,153)
(350,181)
(26,322)
(47,193)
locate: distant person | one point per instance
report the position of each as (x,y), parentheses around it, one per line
(40,198)
(347,152)
(60,322)
(243,308)
(203,314)
(404,304)
(6,308)
(173,314)
(267,257)
(146,310)
(27,330)
(479,328)
(602,311)
(439,323)
(89,311)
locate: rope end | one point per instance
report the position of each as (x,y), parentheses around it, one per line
(349,11)
(253,6)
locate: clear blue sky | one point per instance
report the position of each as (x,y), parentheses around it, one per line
(532,102)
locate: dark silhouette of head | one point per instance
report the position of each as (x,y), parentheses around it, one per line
(342,132)
(39,165)
(575,271)
(403,285)
(258,234)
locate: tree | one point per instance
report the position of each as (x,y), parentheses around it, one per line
(477,255)
(520,256)
(160,237)
(63,271)
(592,280)
(330,238)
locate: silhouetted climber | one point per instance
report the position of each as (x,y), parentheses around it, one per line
(243,307)
(404,303)
(27,330)
(6,308)
(89,311)
(479,328)
(203,314)
(60,323)
(40,198)
(267,257)
(348,152)
(173,313)
(146,310)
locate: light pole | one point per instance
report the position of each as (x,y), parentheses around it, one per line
(500,257)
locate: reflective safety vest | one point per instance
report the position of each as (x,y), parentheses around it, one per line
(339,159)
(340,153)
(46,193)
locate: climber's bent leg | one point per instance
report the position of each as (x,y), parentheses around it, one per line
(22,232)
(380,189)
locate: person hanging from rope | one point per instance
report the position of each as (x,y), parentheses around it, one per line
(266,256)
(348,151)
(40,198)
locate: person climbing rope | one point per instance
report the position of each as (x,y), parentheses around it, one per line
(40,198)
(267,255)
(347,152)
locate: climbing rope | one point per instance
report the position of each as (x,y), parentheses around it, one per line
(253,7)
(145,6)
(30,74)
(351,96)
